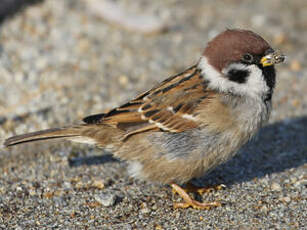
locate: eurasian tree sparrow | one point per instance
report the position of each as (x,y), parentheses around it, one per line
(191,122)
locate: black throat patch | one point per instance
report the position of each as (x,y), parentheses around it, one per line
(269,76)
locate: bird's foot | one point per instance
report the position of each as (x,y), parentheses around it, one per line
(189,202)
(201,190)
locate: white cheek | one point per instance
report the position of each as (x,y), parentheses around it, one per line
(256,82)
(254,87)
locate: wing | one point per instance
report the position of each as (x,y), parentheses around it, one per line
(172,106)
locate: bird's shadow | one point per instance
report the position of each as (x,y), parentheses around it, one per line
(9,8)
(277,147)
(91,160)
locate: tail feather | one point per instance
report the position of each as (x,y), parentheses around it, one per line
(69,132)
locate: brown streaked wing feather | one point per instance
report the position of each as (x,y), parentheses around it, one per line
(171,106)
(94,119)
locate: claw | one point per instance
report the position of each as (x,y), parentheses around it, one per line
(189,202)
(195,189)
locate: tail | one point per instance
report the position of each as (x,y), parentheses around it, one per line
(70,133)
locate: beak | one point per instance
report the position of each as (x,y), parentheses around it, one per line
(272,59)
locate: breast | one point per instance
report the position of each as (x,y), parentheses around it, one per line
(251,115)
(232,122)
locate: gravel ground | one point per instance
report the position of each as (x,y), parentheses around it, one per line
(59,63)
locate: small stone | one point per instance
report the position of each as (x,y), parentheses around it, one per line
(293,180)
(295,65)
(79,185)
(264,209)
(280,39)
(126,227)
(296,103)
(83,45)
(123,80)
(93,204)
(276,187)
(299,183)
(19,189)
(106,199)
(41,63)
(259,20)
(32,192)
(285,199)
(158,227)
(98,184)
(67,185)
(48,195)
(144,209)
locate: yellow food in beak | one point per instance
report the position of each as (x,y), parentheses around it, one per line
(272,59)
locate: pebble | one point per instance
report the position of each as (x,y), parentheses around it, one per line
(295,65)
(67,185)
(264,209)
(106,199)
(276,187)
(123,80)
(280,39)
(285,199)
(32,192)
(259,20)
(80,185)
(98,184)
(145,209)
(300,183)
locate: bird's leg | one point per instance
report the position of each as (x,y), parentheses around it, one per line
(201,190)
(189,202)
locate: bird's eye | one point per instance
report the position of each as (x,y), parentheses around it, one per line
(248,58)
(269,51)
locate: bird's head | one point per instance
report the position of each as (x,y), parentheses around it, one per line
(240,62)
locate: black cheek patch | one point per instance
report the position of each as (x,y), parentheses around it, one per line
(237,75)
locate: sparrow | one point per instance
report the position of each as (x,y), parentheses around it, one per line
(189,123)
